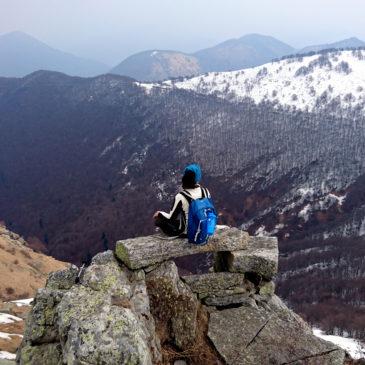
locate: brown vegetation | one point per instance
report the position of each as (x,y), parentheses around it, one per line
(22,271)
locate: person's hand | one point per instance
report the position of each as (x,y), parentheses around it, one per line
(156,214)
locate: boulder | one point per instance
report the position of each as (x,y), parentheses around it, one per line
(142,252)
(104,319)
(41,325)
(63,279)
(270,334)
(212,282)
(93,328)
(220,289)
(227,297)
(266,288)
(259,257)
(46,354)
(119,315)
(173,302)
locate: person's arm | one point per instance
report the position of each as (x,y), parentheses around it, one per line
(176,208)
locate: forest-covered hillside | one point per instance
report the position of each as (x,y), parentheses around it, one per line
(84,162)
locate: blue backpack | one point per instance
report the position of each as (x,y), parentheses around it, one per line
(202,218)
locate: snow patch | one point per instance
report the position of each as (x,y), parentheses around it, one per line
(306,192)
(23,302)
(261,232)
(8,318)
(362,228)
(340,199)
(305,212)
(7,355)
(7,336)
(113,145)
(354,347)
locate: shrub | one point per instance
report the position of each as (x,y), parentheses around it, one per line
(9,290)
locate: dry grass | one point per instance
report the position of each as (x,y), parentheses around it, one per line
(10,345)
(22,271)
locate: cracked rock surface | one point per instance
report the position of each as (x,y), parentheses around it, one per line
(117,315)
(268,333)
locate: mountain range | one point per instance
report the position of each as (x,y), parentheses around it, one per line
(86,161)
(235,54)
(21,54)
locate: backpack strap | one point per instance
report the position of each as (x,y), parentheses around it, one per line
(186,195)
(204,193)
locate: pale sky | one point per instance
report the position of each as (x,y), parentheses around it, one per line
(110,30)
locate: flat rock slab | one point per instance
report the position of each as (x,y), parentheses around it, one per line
(142,252)
(220,288)
(223,299)
(212,282)
(260,257)
(268,335)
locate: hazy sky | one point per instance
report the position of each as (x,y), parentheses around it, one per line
(110,30)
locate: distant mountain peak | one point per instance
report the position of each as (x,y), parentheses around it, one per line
(157,64)
(352,42)
(22,54)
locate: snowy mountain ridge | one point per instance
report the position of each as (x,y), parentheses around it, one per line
(329,79)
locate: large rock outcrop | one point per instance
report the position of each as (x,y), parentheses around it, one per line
(132,307)
(105,319)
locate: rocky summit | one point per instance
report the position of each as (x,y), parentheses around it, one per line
(131,306)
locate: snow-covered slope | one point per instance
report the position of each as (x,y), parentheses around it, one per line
(354,347)
(308,82)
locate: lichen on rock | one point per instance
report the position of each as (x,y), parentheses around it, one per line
(173,302)
(103,320)
(133,316)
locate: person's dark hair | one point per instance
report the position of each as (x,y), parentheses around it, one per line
(188,180)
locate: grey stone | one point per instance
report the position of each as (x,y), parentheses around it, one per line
(173,301)
(223,300)
(273,335)
(212,282)
(141,252)
(105,320)
(107,278)
(47,354)
(220,289)
(267,288)
(41,323)
(63,279)
(260,257)
(103,258)
(93,330)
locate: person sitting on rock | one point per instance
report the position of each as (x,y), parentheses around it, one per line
(174,223)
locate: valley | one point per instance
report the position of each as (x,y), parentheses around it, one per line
(95,157)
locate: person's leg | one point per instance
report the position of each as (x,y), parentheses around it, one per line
(170,228)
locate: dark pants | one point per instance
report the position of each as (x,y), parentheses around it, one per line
(168,226)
